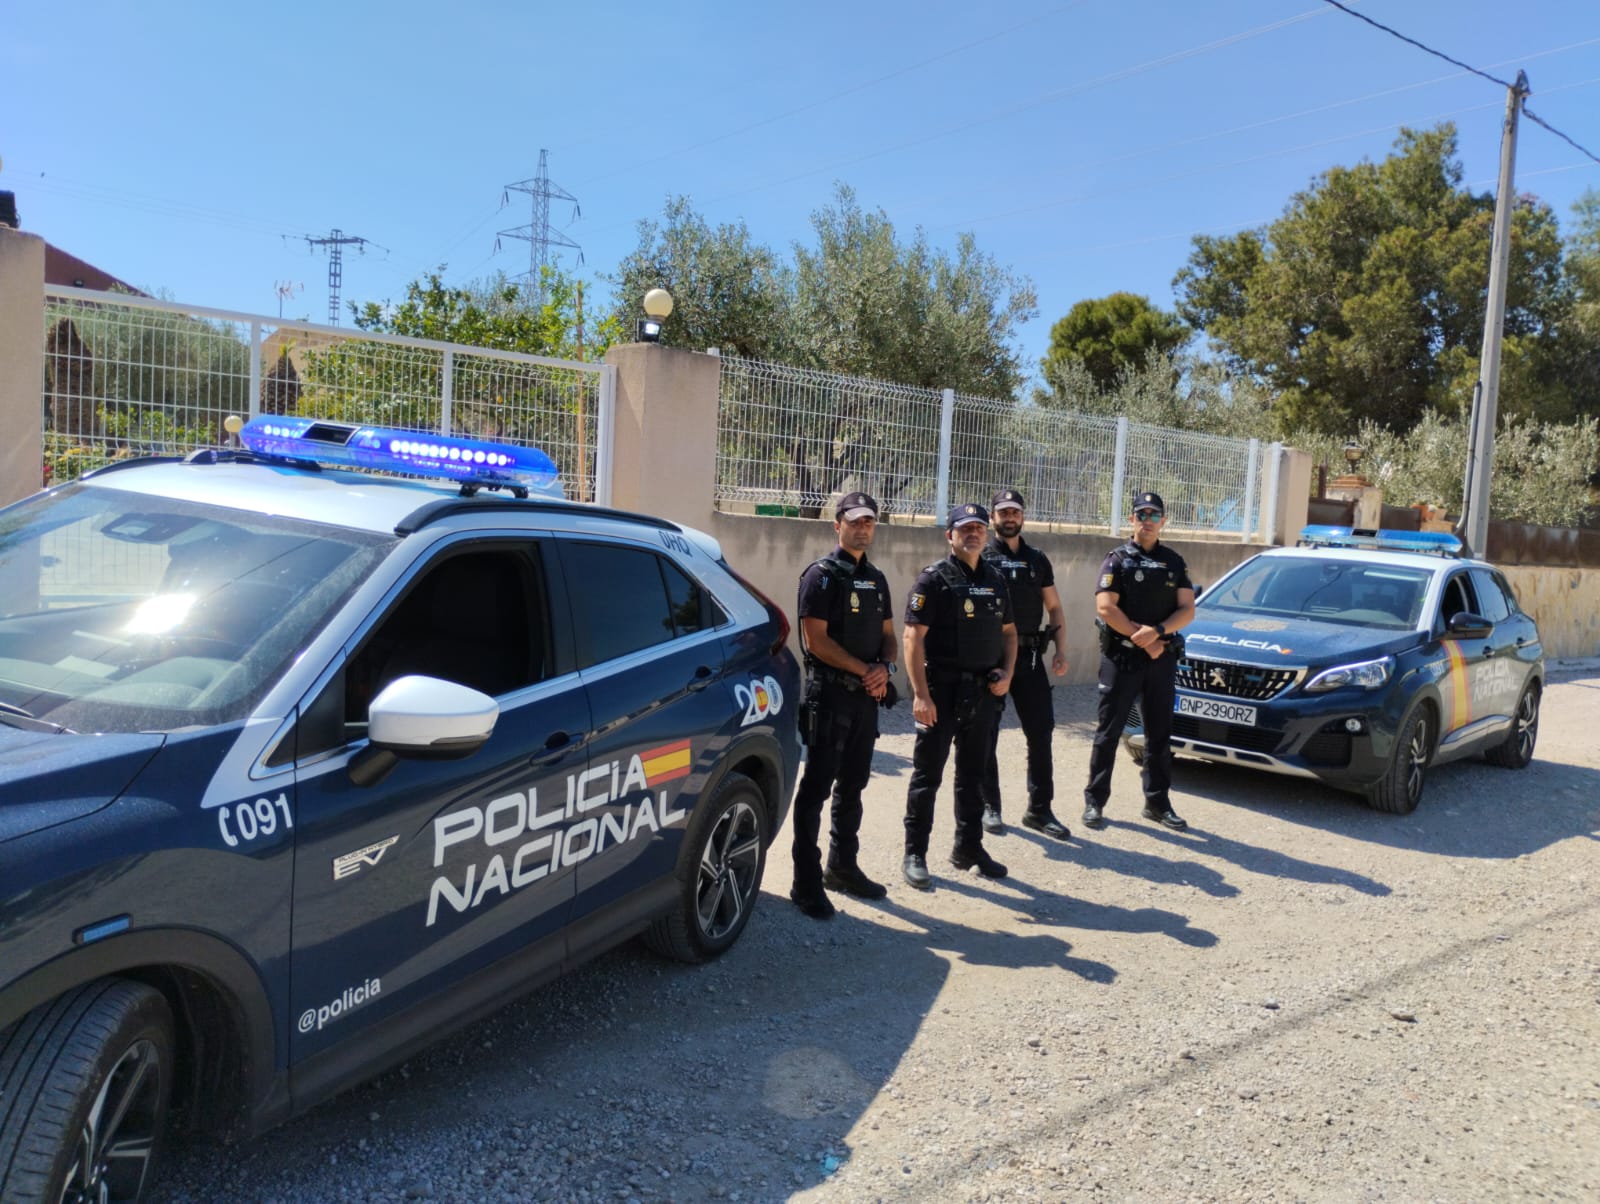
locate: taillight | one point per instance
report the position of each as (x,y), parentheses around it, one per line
(772,608)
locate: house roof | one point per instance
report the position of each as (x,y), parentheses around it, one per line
(62,268)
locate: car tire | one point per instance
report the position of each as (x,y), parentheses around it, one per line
(85,1082)
(1516,750)
(1400,789)
(719,874)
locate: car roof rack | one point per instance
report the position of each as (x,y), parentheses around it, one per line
(1430,543)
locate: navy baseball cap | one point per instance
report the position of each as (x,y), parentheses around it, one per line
(1149,501)
(968,512)
(856,505)
(1006,497)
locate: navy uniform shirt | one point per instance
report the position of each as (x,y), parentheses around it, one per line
(1027,571)
(1146,583)
(854,609)
(934,605)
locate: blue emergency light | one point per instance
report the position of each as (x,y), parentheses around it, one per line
(1433,543)
(474,462)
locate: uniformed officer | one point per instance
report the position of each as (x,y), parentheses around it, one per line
(1031,582)
(1142,598)
(961,649)
(847,633)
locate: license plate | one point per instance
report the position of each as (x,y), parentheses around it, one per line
(1216,708)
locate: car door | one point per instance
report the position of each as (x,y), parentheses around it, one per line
(652,662)
(407,886)
(1464,690)
(1500,682)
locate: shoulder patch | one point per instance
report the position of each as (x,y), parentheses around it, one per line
(917,600)
(1105,580)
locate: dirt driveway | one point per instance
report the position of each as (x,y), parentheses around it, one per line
(1296,999)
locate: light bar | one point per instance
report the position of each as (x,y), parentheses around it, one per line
(471,461)
(1435,543)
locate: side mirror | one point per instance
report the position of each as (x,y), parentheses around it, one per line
(423,718)
(1468,626)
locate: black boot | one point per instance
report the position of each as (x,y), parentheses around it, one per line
(849,879)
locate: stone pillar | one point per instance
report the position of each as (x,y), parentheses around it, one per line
(664,443)
(21,364)
(1294,495)
(1368,499)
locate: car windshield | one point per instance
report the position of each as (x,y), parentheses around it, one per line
(122,612)
(1329,591)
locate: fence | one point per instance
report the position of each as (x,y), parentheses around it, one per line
(790,438)
(132,375)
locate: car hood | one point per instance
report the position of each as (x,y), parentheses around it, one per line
(1254,640)
(50,778)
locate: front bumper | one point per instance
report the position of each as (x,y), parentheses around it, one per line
(1304,736)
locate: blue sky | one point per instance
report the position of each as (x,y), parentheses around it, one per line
(188,149)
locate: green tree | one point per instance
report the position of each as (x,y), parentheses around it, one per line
(1365,300)
(728,291)
(1109,334)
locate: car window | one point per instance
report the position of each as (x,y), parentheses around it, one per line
(1457,598)
(126,612)
(1490,598)
(626,599)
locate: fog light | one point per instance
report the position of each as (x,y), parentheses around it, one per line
(1352,725)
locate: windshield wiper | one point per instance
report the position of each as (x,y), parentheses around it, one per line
(15,716)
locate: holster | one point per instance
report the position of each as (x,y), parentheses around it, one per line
(806,713)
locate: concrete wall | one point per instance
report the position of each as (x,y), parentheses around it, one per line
(773,552)
(1566,602)
(21,363)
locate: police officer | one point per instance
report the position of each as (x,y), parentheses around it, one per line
(847,633)
(1031,582)
(961,648)
(1142,598)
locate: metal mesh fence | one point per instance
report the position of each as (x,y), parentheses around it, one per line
(132,376)
(789,438)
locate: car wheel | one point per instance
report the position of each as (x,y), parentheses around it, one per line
(719,875)
(1400,788)
(1516,750)
(84,1085)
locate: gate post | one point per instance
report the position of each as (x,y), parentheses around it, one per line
(22,337)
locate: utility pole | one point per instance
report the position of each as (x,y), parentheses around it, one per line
(537,233)
(1474,524)
(335,244)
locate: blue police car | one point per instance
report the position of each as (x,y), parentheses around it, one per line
(302,766)
(1360,658)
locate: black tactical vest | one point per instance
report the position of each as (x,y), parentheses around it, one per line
(1022,573)
(856,608)
(977,613)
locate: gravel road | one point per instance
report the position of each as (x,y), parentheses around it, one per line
(1297,999)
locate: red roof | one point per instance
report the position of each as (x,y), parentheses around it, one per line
(64,269)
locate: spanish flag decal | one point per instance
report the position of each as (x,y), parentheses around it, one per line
(1457,697)
(666,763)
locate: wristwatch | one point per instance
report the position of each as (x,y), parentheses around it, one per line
(890,667)
(1160,630)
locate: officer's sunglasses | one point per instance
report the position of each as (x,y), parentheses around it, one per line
(1147,516)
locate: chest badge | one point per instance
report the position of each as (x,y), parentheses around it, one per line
(855,601)
(969,608)
(1139,575)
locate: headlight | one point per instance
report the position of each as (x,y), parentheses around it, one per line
(1368,675)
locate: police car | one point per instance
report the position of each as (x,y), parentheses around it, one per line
(302,766)
(1360,658)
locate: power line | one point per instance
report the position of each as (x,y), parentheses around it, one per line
(1493,79)
(538,233)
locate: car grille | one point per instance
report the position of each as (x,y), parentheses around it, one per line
(1233,681)
(1228,735)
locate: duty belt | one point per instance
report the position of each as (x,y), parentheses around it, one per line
(830,676)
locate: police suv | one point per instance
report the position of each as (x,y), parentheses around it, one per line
(1360,658)
(302,766)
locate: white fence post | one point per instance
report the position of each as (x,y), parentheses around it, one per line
(605,425)
(947,413)
(1246,509)
(447,378)
(1270,504)
(1119,474)
(252,406)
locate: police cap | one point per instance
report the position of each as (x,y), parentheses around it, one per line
(856,505)
(1004,498)
(967,512)
(1149,501)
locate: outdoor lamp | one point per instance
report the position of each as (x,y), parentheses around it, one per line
(657,308)
(1352,454)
